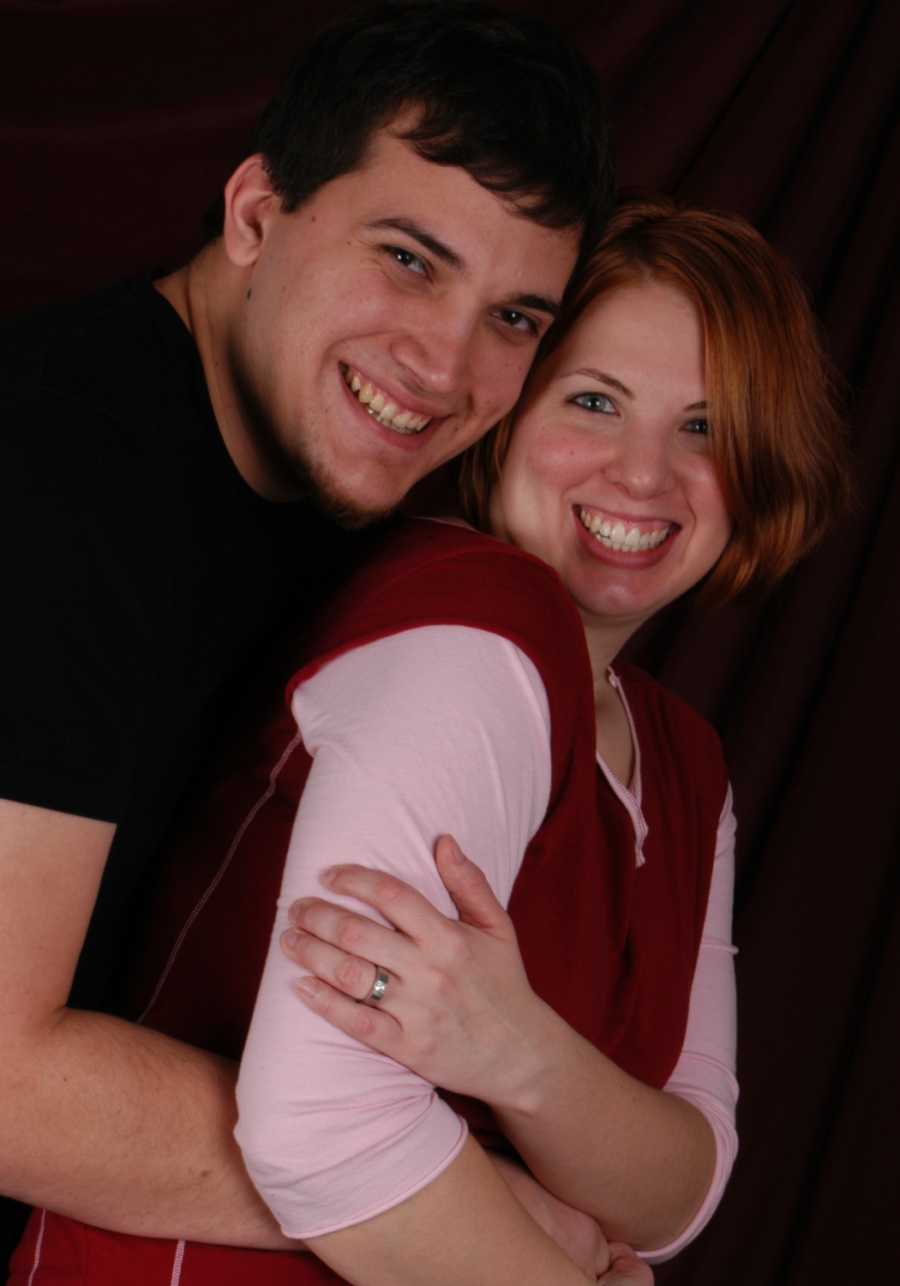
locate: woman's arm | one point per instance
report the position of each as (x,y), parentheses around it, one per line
(705,1072)
(649,1165)
(464,1227)
(341,1140)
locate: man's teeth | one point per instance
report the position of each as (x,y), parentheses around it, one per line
(622,537)
(381,408)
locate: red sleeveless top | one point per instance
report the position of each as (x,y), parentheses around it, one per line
(609,945)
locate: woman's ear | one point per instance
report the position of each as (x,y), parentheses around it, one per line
(250,202)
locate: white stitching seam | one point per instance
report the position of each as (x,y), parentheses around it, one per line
(217,878)
(176,1264)
(37,1248)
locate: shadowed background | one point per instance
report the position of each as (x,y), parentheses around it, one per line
(121,119)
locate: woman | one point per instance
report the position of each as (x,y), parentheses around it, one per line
(677,429)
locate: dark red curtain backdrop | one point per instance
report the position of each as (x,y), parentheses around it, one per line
(120,121)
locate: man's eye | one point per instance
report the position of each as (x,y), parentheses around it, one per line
(407,259)
(519,321)
(594,402)
(698,426)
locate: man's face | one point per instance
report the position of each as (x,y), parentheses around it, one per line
(384,326)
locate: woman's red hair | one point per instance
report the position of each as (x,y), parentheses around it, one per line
(777,438)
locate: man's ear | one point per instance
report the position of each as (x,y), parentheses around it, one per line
(250,203)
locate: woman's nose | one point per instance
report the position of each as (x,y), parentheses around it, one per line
(642,464)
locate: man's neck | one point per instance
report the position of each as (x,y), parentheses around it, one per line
(173,288)
(205,293)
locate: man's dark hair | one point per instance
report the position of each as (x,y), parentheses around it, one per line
(503,96)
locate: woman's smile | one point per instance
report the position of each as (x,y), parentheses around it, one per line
(622,535)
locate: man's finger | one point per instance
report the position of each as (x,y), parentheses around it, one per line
(625,1268)
(466,883)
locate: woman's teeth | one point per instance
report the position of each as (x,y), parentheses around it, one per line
(623,538)
(379,405)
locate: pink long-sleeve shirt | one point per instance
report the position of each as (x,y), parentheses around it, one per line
(438,729)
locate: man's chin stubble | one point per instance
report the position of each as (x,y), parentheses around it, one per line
(301,478)
(321,491)
(304,481)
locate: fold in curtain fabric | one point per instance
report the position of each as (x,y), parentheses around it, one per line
(120,121)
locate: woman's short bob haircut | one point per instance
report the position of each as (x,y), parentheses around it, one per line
(777,438)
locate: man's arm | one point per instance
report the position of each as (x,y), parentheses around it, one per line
(101,1119)
(113,1123)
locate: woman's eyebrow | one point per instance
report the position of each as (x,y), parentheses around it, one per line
(603,378)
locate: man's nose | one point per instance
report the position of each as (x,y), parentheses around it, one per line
(435,350)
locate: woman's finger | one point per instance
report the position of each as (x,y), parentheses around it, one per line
(348,974)
(366,1023)
(467,884)
(399,903)
(354,936)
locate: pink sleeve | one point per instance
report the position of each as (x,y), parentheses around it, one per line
(436,729)
(705,1071)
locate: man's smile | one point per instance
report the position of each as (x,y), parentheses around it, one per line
(381,406)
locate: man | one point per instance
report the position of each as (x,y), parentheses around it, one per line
(387,264)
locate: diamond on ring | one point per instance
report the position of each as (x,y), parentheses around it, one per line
(379,986)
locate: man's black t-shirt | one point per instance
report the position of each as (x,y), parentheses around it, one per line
(140,575)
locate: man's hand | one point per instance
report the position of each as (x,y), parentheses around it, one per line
(458,1003)
(580,1236)
(625,1268)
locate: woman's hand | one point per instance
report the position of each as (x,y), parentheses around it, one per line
(457,1009)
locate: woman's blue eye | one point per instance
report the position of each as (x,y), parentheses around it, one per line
(698,426)
(594,402)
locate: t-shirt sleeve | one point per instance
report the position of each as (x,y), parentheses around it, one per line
(437,729)
(705,1072)
(69,628)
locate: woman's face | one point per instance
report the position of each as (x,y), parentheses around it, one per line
(609,477)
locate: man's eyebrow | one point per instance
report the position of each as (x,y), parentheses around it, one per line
(540,303)
(440,249)
(425,239)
